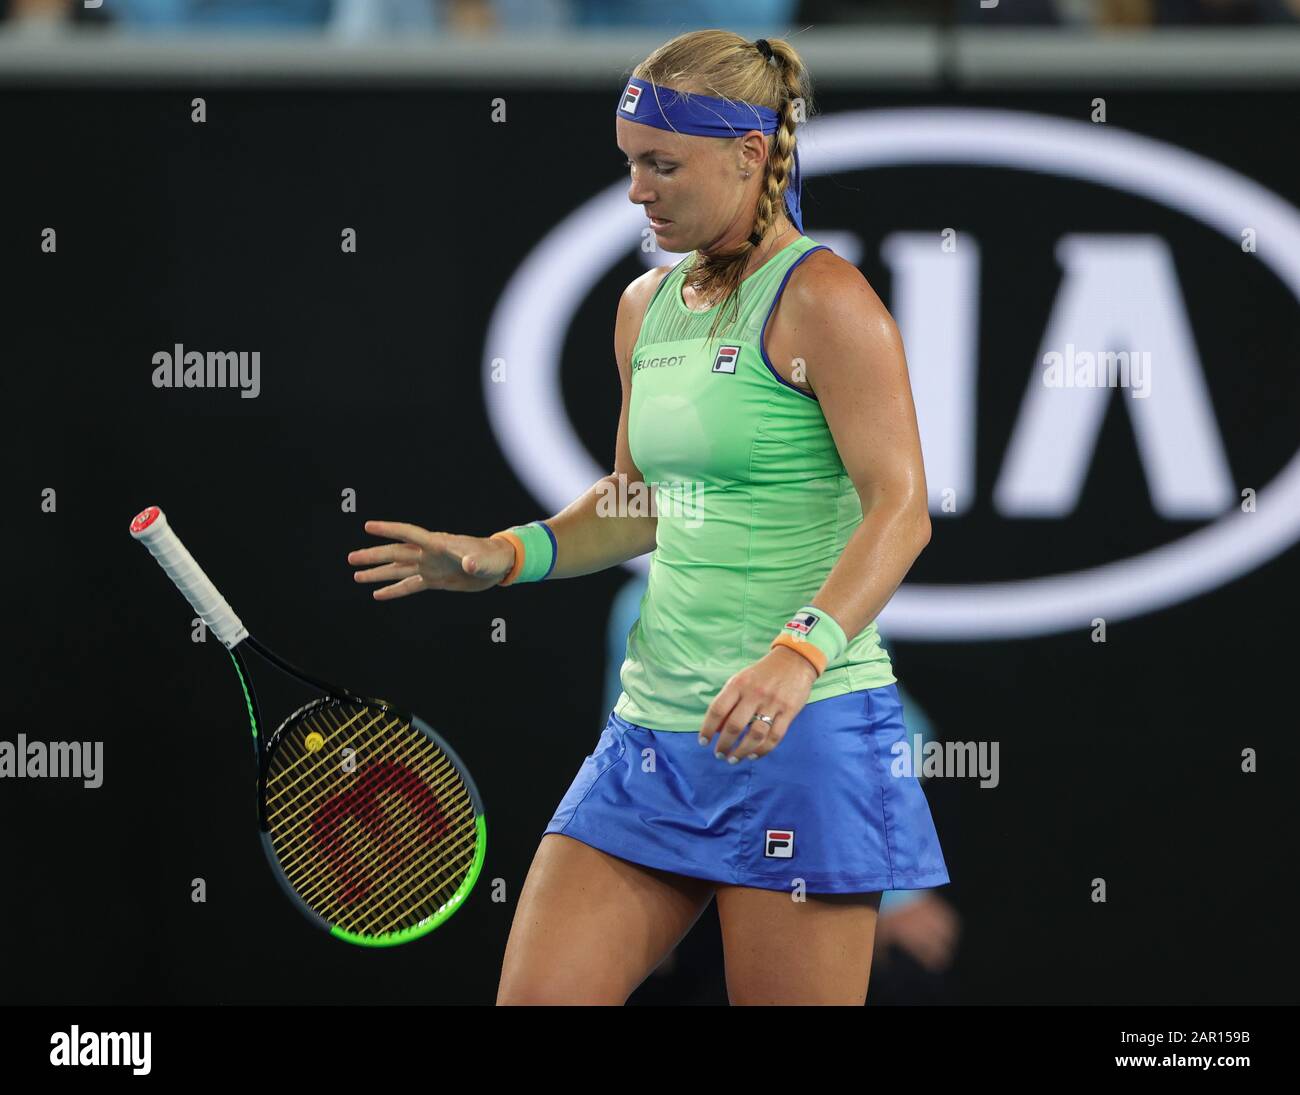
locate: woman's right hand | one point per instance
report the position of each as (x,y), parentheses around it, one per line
(423,560)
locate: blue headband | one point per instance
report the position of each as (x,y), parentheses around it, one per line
(706,116)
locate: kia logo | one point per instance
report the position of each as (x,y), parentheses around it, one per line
(1184,462)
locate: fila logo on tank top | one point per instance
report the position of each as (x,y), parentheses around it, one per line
(773,509)
(725,362)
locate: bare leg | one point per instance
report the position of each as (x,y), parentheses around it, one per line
(590,927)
(782,951)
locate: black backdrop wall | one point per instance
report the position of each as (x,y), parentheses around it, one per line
(1120,760)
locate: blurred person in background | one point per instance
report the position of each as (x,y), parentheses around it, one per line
(738,15)
(1126,13)
(226,15)
(1012,13)
(355,19)
(378,18)
(50,16)
(1151,13)
(361,18)
(169,15)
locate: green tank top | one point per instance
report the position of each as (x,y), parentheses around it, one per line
(754,505)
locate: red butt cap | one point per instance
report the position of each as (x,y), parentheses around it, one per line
(144,519)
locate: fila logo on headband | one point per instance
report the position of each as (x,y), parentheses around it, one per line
(779,844)
(631,96)
(804,623)
(725,362)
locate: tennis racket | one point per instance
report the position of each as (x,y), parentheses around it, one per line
(370,821)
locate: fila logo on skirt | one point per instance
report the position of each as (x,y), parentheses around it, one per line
(779,844)
(725,362)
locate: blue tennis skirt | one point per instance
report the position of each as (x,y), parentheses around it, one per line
(823,807)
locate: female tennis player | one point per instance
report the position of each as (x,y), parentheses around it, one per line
(748,758)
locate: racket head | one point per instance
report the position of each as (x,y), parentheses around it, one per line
(371,823)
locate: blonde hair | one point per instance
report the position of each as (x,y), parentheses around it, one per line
(722,64)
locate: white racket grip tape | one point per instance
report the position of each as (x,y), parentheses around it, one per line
(150,527)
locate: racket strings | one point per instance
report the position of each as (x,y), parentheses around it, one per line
(373,859)
(342,776)
(376,845)
(438,780)
(460,813)
(398,903)
(433,876)
(309,760)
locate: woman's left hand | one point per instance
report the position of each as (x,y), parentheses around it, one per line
(776,685)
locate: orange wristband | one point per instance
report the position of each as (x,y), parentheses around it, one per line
(535,552)
(511,538)
(805,649)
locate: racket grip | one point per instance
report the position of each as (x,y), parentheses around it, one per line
(150,527)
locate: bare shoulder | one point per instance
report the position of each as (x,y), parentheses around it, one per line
(828,288)
(632,307)
(830,319)
(639,290)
